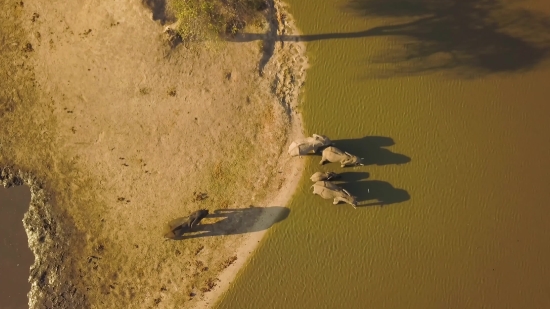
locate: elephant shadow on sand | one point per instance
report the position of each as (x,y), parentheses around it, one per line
(237,221)
(371,192)
(371,149)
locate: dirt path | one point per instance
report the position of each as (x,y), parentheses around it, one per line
(117,133)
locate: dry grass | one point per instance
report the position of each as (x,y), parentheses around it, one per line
(140,157)
(228,262)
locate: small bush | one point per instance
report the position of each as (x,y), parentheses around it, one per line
(210,19)
(144,90)
(172,92)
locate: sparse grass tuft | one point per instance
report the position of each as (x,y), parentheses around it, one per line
(145,90)
(210,284)
(172,92)
(228,262)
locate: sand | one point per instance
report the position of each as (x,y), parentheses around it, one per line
(117,133)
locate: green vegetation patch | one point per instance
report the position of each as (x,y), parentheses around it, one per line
(210,19)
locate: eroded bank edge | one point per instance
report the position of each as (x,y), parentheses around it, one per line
(289,98)
(47,233)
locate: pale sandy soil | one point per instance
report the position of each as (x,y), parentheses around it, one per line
(115,132)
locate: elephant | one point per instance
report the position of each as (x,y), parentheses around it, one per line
(306,145)
(179,226)
(328,190)
(333,154)
(320,176)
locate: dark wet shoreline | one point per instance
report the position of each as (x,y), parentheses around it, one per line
(49,285)
(15,256)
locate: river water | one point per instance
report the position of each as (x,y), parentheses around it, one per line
(15,255)
(448,102)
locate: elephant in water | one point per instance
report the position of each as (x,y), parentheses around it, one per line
(306,145)
(179,226)
(328,190)
(320,176)
(333,154)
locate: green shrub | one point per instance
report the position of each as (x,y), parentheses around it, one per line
(210,19)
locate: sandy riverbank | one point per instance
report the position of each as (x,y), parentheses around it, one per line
(117,133)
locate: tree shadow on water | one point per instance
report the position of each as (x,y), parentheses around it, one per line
(379,192)
(237,221)
(471,37)
(371,149)
(467,37)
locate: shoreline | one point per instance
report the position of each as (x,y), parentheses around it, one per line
(294,168)
(286,165)
(246,249)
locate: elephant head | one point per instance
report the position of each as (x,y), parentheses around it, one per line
(351,160)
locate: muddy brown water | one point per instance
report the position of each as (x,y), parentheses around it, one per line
(15,255)
(448,101)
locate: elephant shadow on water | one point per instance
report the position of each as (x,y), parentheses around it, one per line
(371,149)
(237,221)
(378,192)
(352,177)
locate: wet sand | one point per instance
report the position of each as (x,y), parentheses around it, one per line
(15,255)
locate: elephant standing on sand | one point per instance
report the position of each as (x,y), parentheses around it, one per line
(306,145)
(333,154)
(328,190)
(179,226)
